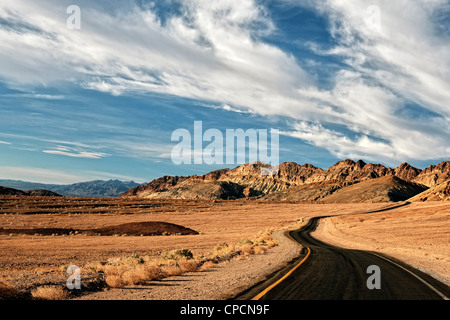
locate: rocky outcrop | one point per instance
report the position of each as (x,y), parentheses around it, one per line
(440,192)
(384,189)
(406,172)
(263,179)
(158,185)
(42,193)
(434,174)
(293,182)
(36,193)
(307,192)
(350,171)
(11,192)
(210,190)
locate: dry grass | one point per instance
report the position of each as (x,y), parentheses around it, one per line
(49,293)
(132,269)
(189,266)
(217,222)
(128,272)
(207,265)
(7,291)
(114,281)
(171,270)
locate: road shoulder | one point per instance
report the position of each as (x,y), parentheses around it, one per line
(222,282)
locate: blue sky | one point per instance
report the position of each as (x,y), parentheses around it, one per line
(340,79)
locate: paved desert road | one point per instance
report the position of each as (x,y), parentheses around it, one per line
(326,272)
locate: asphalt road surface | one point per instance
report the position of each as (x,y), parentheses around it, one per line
(326,272)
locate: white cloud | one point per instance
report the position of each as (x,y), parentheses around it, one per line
(37,175)
(71,152)
(213,52)
(399,65)
(341,146)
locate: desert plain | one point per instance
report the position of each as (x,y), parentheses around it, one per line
(417,234)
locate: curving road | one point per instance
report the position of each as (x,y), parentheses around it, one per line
(326,272)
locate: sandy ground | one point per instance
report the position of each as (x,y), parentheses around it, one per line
(28,261)
(222,282)
(418,234)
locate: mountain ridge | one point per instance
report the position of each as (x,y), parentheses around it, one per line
(296,182)
(95,188)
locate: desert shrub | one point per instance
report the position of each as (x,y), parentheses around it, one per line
(113,261)
(245,242)
(154,272)
(177,254)
(95,266)
(189,265)
(221,246)
(171,270)
(49,293)
(271,243)
(221,249)
(114,281)
(132,258)
(7,291)
(260,249)
(207,265)
(133,277)
(113,270)
(119,276)
(247,250)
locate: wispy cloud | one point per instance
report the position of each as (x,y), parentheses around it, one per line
(4,142)
(71,152)
(33,174)
(34,96)
(214,51)
(342,146)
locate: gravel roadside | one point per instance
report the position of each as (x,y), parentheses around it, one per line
(219,283)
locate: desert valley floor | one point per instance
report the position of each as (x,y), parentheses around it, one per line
(417,233)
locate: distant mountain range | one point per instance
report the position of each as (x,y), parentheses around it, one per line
(346,181)
(97,188)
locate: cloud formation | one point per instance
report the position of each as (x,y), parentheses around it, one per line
(390,101)
(71,152)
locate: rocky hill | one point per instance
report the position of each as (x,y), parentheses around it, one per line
(97,188)
(38,193)
(440,192)
(434,174)
(157,185)
(384,189)
(346,180)
(11,192)
(406,172)
(42,193)
(255,177)
(350,171)
(316,191)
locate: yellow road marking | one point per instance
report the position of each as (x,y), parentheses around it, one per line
(259,296)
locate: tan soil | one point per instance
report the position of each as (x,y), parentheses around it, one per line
(219,283)
(27,261)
